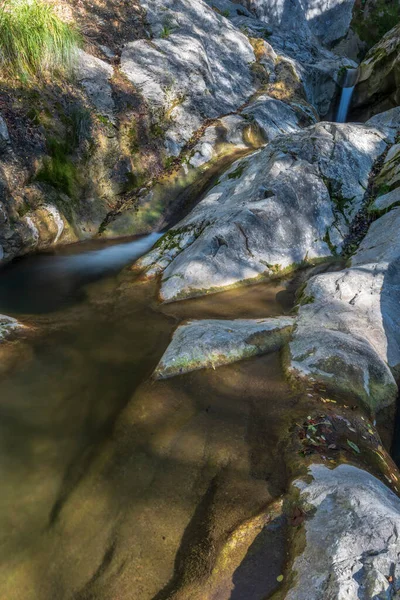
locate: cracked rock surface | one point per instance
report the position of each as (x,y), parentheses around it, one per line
(352,546)
(289,202)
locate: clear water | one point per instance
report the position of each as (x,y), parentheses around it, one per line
(116,486)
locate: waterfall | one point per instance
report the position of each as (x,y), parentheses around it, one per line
(350,80)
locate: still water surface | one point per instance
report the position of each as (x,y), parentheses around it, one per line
(118,487)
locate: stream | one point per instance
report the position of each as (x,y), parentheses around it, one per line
(116,486)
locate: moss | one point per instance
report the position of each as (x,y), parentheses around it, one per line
(381,17)
(238,172)
(58,169)
(328,242)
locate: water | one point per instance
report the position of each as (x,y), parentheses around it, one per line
(46,282)
(350,80)
(116,486)
(345,100)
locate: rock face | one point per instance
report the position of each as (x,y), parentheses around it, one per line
(261,121)
(379,79)
(347,336)
(328,20)
(290,202)
(352,545)
(196,66)
(211,343)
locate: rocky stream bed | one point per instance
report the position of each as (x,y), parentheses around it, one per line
(200,329)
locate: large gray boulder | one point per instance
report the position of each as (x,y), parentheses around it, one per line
(290,202)
(348,333)
(211,343)
(352,545)
(197,66)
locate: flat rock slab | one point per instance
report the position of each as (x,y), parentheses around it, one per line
(352,544)
(212,343)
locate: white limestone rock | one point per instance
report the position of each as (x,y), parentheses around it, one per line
(197,66)
(212,342)
(352,546)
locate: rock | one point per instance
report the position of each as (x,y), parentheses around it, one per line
(212,343)
(94,75)
(328,20)
(223,141)
(348,334)
(270,211)
(8,326)
(352,544)
(197,66)
(229,9)
(378,84)
(386,200)
(274,117)
(4,135)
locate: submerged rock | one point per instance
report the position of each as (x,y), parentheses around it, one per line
(288,203)
(352,544)
(211,343)
(8,326)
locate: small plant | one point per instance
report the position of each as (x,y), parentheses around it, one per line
(166,32)
(34,40)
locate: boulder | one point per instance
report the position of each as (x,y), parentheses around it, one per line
(219,145)
(352,544)
(285,204)
(386,201)
(197,66)
(348,332)
(378,84)
(211,343)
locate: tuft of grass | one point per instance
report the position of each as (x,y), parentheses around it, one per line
(34,40)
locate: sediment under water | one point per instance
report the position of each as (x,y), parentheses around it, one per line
(116,486)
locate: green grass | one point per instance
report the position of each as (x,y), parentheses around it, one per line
(34,40)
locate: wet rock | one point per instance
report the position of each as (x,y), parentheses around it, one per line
(227,138)
(8,326)
(352,544)
(211,343)
(287,203)
(348,332)
(197,66)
